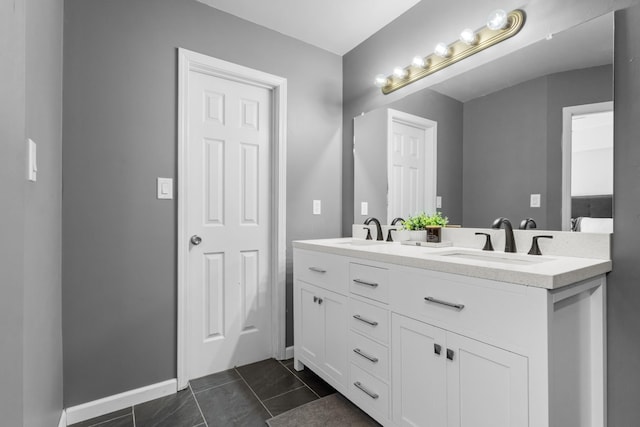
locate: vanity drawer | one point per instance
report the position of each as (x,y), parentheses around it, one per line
(369,320)
(321,269)
(480,307)
(370,282)
(368,392)
(369,355)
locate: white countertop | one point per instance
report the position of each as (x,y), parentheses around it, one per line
(550,272)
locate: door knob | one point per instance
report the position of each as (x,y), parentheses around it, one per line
(196,240)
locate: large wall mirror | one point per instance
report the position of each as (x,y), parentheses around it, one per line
(501,136)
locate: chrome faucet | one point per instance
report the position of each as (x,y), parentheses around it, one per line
(509,241)
(378,227)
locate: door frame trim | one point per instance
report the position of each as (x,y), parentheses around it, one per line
(567,116)
(192,61)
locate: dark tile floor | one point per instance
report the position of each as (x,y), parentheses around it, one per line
(244,396)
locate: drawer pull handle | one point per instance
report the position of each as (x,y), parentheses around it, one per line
(365,390)
(365,355)
(367,321)
(364,282)
(317,269)
(437,348)
(448,304)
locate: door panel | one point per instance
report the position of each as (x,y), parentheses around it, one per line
(229,182)
(487,385)
(418,373)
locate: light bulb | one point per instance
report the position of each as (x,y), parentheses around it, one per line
(442,50)
(418,62)
(468,36)
(400,72)
(497,20)
(381,80)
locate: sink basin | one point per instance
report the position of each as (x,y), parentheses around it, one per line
(502,258)
(362,242)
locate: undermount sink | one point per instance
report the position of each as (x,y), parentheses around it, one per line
(502,258)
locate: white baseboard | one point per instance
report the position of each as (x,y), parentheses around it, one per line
(63,419)
(288,353)
(86,411)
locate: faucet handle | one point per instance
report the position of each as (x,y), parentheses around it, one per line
(368,233)
(389,237)
(535,249)
(487,244)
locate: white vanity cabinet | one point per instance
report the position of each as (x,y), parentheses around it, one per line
(417,347)
(320,316)
(444,379)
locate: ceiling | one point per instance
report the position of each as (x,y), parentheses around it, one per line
(352,21)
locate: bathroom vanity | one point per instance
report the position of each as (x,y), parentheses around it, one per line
(454,336)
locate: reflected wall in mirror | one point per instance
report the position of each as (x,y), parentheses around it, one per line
(500,128)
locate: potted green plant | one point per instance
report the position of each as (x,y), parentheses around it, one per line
(429,227)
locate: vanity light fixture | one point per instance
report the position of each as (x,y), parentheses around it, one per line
(419,62)
(442,50)
(500,26)
(468,37)
(400,72)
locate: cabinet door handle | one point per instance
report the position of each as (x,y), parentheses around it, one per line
(365,390)
(365,355)
(315,299)
(317,269)
(450,354)
(364,282)
(437,348)
(367,321)
(448,304)
(319,300)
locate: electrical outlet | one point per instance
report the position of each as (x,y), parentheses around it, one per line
(364,208)
(317,207)
(535,201)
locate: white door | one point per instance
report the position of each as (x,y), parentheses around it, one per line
(418,373)
(487,386)
(412,170)
(229,186)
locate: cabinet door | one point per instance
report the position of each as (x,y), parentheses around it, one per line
(335,335)
(311,334)
(487,386)
(418,373)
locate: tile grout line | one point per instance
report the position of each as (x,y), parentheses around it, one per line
(107,421)
(215,386)
(254,393)
(198,405)
(289,391)
(301,380)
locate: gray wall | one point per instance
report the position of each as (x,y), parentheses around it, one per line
(431,105)
(623,291)
(12,176)
(43,216)
(513,146)
(30,302)
(120,108)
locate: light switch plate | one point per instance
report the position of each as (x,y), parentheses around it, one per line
(165,188)
(535,201)
(317,207)
(364,208)
(438,202)
(32,161)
